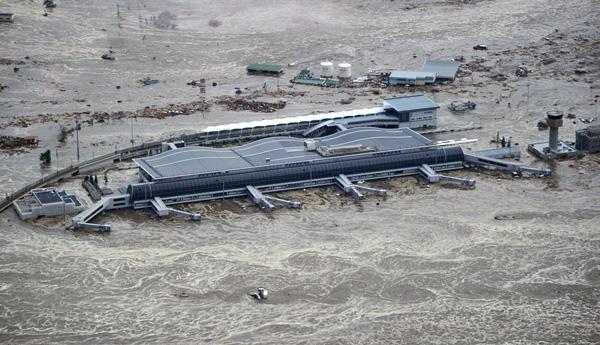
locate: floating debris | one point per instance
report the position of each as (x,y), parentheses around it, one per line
(261,294)
(8,141)
(522,71)
(49,4)
(459,106)
(149,81)
(108,56)
(199,82)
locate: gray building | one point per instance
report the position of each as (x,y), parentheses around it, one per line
(411,78)
(444,69)
(47,203)
(588,139)
(418,111)
(410,111)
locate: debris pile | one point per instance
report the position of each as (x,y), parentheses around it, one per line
(172,110)
(101,117)
(348,100)
(588,120)
(522,71)
(237,104)
(8,141)
(165,20)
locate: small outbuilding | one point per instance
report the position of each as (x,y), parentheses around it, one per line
(444,69)
(411,78)
(588,139)
(265,68)
(47,202)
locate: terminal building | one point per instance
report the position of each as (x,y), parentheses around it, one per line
(191,174)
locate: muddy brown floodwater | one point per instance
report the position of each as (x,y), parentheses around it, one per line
(512,261)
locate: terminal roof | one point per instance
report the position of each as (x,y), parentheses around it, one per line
(196,160)
(296,119)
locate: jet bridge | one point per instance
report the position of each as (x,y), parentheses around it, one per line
(268,202)
(348,187)
(433,177)
(513,167)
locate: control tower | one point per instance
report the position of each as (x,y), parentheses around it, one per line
(554,121)
(554,147)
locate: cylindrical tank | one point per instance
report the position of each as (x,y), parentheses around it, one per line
(344,70)
(326,69)
(554,121)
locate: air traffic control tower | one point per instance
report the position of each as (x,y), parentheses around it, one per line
(554,147)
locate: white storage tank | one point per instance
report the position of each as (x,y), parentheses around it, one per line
(326,69)
(344,70)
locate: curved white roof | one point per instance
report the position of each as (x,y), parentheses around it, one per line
(295,119)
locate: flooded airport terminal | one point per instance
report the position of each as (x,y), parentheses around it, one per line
(299,172)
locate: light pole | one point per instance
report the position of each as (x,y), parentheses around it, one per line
(77,127)
(132,141)
(56,150)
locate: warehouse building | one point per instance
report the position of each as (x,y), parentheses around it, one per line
(411,78)
(444,69)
